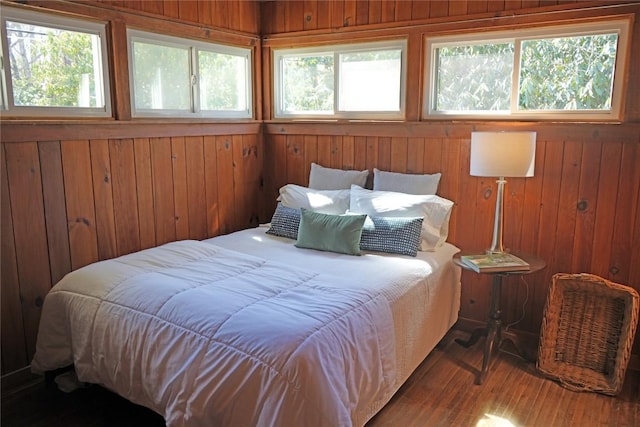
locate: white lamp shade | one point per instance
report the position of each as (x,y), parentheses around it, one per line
(503,154)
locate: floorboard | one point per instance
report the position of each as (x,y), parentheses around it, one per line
(441,392)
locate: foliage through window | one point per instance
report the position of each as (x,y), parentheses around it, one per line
(53,66)
(547,72)
(184,78)
(347,81)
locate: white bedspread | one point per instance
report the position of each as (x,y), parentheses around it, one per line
(216,336)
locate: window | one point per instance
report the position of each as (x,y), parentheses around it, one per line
(362,81)
(54,66)
(176,77)
(570,72)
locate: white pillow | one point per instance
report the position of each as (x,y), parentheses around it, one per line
(405,183)
(321,178)
(435,210)
(325,201)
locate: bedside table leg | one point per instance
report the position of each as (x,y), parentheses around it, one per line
(494,326)
(475,336)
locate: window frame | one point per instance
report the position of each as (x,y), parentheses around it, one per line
(50,20)
(337,49)
(620,26)
(193,46)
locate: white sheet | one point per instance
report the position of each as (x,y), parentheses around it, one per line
(211,336)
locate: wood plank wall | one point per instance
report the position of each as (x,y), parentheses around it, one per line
(581,210)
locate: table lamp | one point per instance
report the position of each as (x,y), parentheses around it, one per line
(502,154)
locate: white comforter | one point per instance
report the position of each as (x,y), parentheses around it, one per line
(208,336)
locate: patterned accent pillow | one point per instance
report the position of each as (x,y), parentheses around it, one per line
(435,211)
(285,222)
(392,235)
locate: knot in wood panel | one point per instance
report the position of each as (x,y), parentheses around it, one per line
(84,221)
(582,205)
(487,193)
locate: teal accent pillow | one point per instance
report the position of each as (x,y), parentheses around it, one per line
(332,233)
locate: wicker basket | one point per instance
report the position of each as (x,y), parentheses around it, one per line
(587,332)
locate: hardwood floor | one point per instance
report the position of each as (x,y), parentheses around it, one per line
(440,393)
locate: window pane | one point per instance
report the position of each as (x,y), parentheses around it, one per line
(569,73)
(161,77)
(370,81)
(474,77)
(54,68)
(223,81)
(307,84)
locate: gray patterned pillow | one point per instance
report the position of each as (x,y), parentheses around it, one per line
(285,222)
(392,235)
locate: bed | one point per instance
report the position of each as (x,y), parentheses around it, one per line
(248,329)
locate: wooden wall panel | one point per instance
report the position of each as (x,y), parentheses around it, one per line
(196,187)
(125,200)
(55,210)
(103,194)
(281,16)
(211,185)
(14,356)
(180,195)
(144,191)
(162,176)
(29,233)
(623,223)
(79,197)
(240,15)
(226,184)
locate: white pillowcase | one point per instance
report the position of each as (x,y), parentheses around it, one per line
(325,201)
(405,183)
(435,210)
(321,178)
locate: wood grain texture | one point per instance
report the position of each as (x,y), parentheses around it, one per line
(55,212)
(29,234)
(144,191)
(103,194)
(237,15)
(14,356)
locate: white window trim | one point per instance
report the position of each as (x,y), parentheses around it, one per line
(54,21)
(336,50)
(619,26)
(193,46)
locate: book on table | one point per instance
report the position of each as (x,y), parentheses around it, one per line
(494,262)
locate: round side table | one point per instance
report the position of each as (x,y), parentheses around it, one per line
(493,329)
